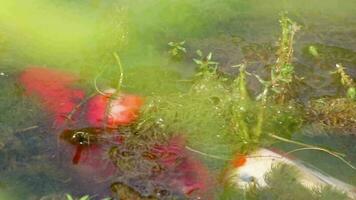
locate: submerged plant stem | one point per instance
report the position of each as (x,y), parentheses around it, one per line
(96,85)
(121,78)
(260,119)
(311,147)
(205,154)
(75,109)
(321,149)
(27,129)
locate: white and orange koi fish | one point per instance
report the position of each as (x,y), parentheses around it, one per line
(252,169)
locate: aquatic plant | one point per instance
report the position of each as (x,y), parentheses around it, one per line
(69,197)
(282,72)
(335,113)
(124,192)
(253,117)
(205,63)
(242,117)
(85,197)
(204,114)
(196,114)
(224,106)
(177,50)
(248,115)
(346,81)
(313,50)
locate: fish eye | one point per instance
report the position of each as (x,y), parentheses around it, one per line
(81,137)
(247,178)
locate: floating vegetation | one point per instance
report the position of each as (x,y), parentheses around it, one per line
(333,113)
(336,113)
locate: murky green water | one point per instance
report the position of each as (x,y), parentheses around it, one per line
(81,37)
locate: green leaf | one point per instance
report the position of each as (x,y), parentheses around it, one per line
(313,51)
(69,197)
(210,55)
(199,62)
(212,63)
(351,93)
(200,53)
(86,197)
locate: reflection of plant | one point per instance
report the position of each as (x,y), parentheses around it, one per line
(346,81)
(177,50)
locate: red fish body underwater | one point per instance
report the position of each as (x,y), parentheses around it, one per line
(101,115)
(123,109)
(55,90)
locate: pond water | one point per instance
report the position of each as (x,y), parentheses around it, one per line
(175,126)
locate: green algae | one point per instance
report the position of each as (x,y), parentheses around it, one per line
(196,115)
(217,116)
(143,80)
(60,35)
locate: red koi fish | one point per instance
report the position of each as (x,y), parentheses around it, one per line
(123,109)
(54,90)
